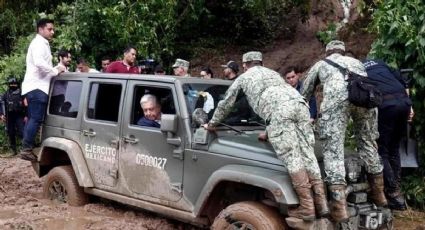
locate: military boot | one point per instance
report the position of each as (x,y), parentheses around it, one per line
(338,203)
(396,201)
(319,196)
(376,183)
(302,187)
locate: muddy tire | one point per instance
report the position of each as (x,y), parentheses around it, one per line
(61,185)
(248,215)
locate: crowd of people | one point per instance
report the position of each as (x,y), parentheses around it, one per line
(280,100)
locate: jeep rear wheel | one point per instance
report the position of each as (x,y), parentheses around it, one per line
(61,185)
(250,216)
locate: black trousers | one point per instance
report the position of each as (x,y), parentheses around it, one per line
(392,125)
(15,128)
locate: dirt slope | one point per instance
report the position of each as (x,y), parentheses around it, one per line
(302,48)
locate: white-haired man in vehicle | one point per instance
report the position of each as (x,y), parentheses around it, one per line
(151,110)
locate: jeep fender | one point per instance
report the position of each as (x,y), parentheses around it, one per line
(276,182)
(75,155)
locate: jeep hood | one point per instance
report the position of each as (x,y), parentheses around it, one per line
(249,147)
(245,146)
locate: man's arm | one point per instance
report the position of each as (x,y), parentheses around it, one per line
(405,82)
(111,68)
(225,106)
(41,63)
(310,81)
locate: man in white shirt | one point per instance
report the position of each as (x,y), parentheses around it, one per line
(35,87)
(83,66)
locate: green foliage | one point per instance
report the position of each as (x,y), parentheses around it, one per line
(14,64)
(414,188)
(100,27)
(17,18)
(400,28)
(329,34)
(350,137)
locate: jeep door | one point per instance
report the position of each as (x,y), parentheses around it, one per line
(151,167)
(100,131)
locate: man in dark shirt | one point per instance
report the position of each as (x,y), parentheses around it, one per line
(12,112)
(392,121)
(231,70)
(127,65)
(151,111)
(292,76)
(105,62)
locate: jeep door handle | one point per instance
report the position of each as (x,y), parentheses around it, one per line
(89,133)
(130,139)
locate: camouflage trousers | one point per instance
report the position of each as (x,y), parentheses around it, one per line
(291,134)
(332,127)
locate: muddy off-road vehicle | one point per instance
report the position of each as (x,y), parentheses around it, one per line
(91,145)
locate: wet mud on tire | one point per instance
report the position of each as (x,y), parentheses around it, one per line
(61,185)
(248,215)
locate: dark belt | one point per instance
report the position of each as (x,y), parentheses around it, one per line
(394,96)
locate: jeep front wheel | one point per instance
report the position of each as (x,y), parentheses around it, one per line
(62,185)
(248,215)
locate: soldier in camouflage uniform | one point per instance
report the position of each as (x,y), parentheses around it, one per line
(181,68)
(288,127)
(335,111)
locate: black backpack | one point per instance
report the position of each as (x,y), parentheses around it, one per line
(362,91)
(14,101)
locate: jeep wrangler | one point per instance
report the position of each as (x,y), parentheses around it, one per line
(91,144)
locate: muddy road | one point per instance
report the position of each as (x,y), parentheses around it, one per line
(22,207)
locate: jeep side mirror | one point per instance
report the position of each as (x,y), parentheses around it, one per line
(169,123)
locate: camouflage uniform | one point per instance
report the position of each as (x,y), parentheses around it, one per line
(182,63)
(335,111)
(285,112)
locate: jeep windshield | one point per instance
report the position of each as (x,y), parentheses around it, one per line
(207,96)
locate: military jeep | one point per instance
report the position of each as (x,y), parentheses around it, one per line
(91,145)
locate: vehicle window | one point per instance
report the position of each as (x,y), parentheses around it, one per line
(207,96)
(65,98)
(104,101)
(165,105)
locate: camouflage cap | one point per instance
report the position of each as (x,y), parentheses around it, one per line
(181,63)
(335,45)
(252,56)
